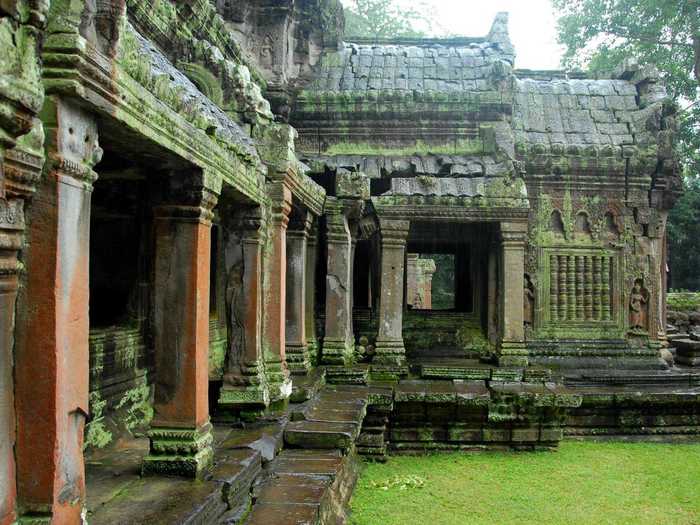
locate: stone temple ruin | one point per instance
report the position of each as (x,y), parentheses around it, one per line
(208,213)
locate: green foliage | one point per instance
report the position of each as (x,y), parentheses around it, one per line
(96,433)
(641,483)
(683,301)
(471,338)
(139,410)
(384,19)
(443,285)
(400,482)
(684,237)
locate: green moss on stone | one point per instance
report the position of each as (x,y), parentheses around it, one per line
(96,433)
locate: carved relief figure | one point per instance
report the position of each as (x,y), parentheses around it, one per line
(267,52)
(528,302)
(638,306)
(235,314)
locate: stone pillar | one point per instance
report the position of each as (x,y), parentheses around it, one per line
(492,294)
(656,321)
(338,340)
(19,172)
(389,348)
(428,269)
(275,298)
(512,350)
(11,237)
(310,311)
(412,279)
(181,439)
(21,161)
(296,345)
(244,385)
(51,354)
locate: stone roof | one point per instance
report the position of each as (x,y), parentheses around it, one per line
(224,127)
(575,111)
(457,64)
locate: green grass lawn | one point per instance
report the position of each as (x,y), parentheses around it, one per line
(580,483)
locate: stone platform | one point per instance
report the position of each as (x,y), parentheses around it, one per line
(301,467)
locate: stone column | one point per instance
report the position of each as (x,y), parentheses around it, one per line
(51,354)
(656,321)
(492,293)
(244,384)
(275,297)
(296,345)
(20,170)
(411,278)
(389,348)
(428,269)
(338,340)
(181,439)
(512,350)
(310,311)
(21,161)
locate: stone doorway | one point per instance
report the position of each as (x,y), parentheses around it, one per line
(446,290)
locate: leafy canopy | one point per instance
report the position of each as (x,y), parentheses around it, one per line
(385,19)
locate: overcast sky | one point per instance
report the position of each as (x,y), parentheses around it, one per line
(531,25)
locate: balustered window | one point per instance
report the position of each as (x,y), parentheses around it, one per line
(580,286)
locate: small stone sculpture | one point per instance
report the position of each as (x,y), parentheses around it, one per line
(638,306)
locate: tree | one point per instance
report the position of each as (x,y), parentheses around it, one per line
(684,237)
(599,34)
(384,19)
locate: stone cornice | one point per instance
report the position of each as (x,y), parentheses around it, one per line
(22,171)
(302,188)
(448,213)
(75,68)
(393,232)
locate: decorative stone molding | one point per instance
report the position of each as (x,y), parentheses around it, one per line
(181,452)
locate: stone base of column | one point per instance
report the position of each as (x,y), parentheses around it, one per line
(247,390)
(278,381)
(243,397)
(298,359)
(337,352)
(388,372)
(179,451)
(512,353)
(312,349)
(389,362)
(389,353)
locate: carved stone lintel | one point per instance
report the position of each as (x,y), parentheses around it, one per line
(393,232)
(187,199)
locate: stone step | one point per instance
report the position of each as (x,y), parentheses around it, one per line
(163,500)
(331,420)
(304,486)
(307,386)
(265,437)
(347,375)
(321,434)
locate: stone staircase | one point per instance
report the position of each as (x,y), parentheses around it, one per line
(311,480)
